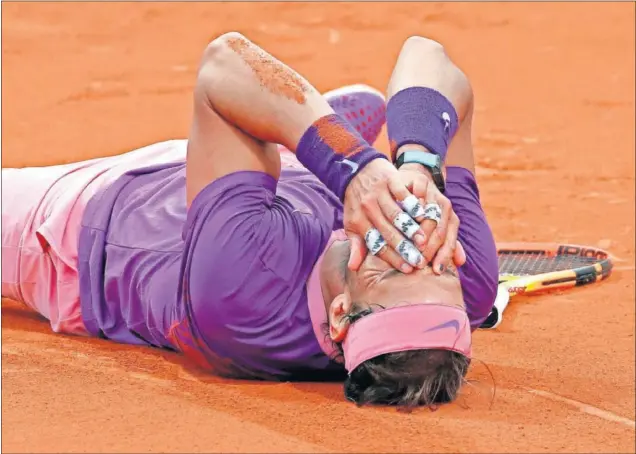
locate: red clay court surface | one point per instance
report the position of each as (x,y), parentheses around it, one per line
(554,139)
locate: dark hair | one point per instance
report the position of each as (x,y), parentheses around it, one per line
(407,379)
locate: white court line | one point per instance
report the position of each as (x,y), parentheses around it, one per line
(585,408)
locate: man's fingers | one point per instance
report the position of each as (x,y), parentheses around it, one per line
(395,226)
(436,206)
(401,220)
(401,193)
(433,245)
(431,204)
(459,257)
(378,246)
(440,228)
(396,260)
(398,188)
(446,250)
(419,186)
(358,251)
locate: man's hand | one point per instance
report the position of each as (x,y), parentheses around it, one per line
(442,245)
(372,201)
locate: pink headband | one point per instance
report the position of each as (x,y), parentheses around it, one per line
(402,328)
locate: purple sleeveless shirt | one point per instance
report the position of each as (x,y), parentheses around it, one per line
(226,281)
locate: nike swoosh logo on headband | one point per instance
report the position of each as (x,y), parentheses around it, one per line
(448,324)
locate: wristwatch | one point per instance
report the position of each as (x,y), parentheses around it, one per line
(429,160)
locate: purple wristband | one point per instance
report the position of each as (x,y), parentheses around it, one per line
(333,150)
(422,116)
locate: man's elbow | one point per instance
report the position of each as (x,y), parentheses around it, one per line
(491,284)
(218,47)
(482,290)
(438,71)
(215,65)
(420,44)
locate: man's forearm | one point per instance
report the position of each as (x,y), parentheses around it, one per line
(424,63)
(258,94)
(268,100)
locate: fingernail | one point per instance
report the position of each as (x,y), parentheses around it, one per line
(420,239)
(406,268)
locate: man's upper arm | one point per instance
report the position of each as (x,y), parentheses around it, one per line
(238,236)
(247,256)
(480,274)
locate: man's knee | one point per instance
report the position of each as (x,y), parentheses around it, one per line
(215,56)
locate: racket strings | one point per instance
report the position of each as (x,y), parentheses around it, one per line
(527,264)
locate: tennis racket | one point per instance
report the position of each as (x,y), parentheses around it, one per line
(533,268)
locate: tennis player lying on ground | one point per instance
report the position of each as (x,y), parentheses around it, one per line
(245,267)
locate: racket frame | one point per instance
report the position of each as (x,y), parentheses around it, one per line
(555,280)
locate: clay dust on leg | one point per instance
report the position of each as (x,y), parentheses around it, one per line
(272,74)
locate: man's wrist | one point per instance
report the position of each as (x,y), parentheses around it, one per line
(414,166)
(412,147)
(335,152)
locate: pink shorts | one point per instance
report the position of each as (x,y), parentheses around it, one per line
(42,209)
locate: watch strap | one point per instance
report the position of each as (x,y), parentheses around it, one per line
(429,160)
